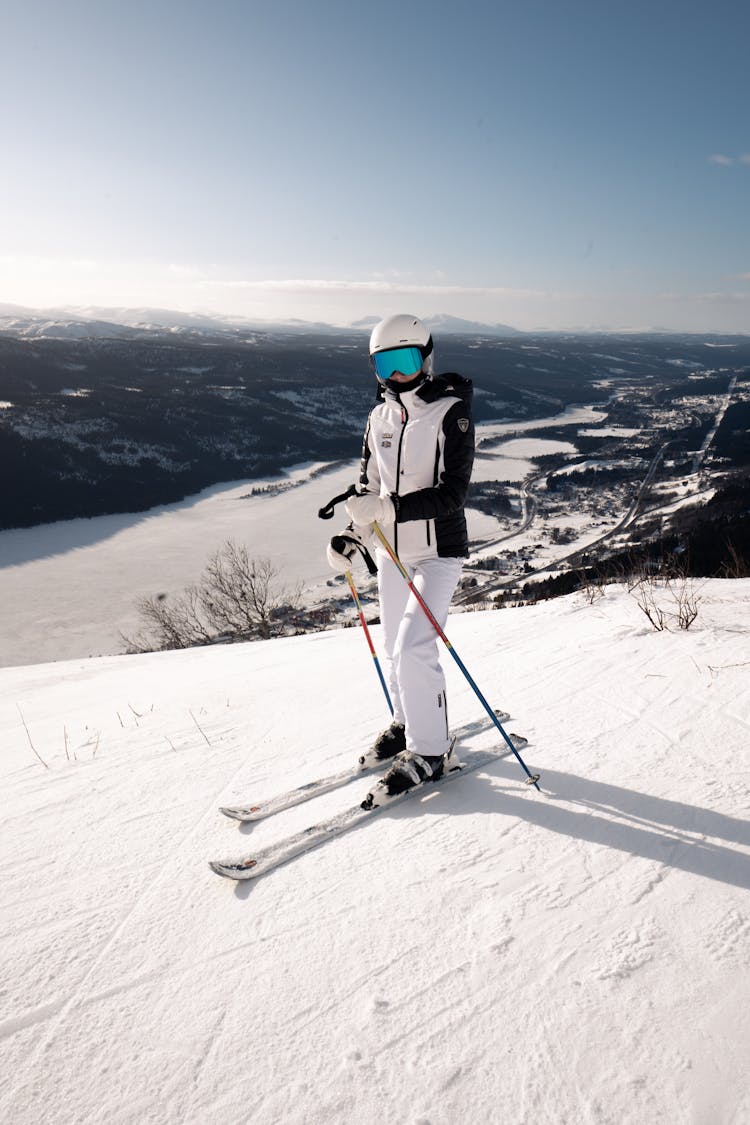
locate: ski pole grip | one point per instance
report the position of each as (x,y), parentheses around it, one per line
(340,543)
(328,510)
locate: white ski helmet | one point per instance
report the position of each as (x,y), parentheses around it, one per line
(403,331)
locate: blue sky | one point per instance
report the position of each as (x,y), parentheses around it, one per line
(538,163)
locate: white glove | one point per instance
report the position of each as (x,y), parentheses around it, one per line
(343,550)
(369,508)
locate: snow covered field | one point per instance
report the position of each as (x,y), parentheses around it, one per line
(513,460)
(483,954)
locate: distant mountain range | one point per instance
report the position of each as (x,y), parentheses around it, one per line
(444,323)
(88,323)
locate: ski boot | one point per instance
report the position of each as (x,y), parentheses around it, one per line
(409,769)
(389,742)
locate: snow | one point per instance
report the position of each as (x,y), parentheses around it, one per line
(610,431)
(484,953)
(597,464)
(572,415)
(687,501)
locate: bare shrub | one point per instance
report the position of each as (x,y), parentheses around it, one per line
(686,601)
(737,566)
(666,601)
(591,584)
(238,597)
(171,622)
(644,591)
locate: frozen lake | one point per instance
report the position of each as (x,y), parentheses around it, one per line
(69,588)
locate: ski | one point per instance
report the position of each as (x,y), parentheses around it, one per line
(259,810)
(249,813)
(267,859)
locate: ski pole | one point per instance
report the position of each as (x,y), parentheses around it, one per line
(374,655)
(531,778)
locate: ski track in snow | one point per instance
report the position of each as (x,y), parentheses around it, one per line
(483,953)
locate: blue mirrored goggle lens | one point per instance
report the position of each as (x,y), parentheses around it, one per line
(408,361)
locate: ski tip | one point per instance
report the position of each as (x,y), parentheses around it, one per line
(236,812)
(241,870)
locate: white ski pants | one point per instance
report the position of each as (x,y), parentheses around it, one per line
(416,680)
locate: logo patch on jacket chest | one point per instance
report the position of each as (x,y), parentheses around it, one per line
(463,424)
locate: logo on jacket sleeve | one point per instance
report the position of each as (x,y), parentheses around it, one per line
(463,424)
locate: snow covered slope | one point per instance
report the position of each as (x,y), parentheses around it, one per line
(484,954)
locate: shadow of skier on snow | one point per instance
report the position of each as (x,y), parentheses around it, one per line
(655,828)
(670,833)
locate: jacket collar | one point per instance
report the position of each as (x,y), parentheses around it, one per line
(434,387)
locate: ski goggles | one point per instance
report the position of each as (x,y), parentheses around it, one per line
(406,361)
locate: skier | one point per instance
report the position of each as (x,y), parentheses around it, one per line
(417,457)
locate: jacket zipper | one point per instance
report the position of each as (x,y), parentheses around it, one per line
(404,423)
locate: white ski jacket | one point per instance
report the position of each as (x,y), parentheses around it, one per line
(419,450)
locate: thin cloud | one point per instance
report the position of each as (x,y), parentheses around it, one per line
(36,263)
(321,285)
(706,298)
(724,161)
